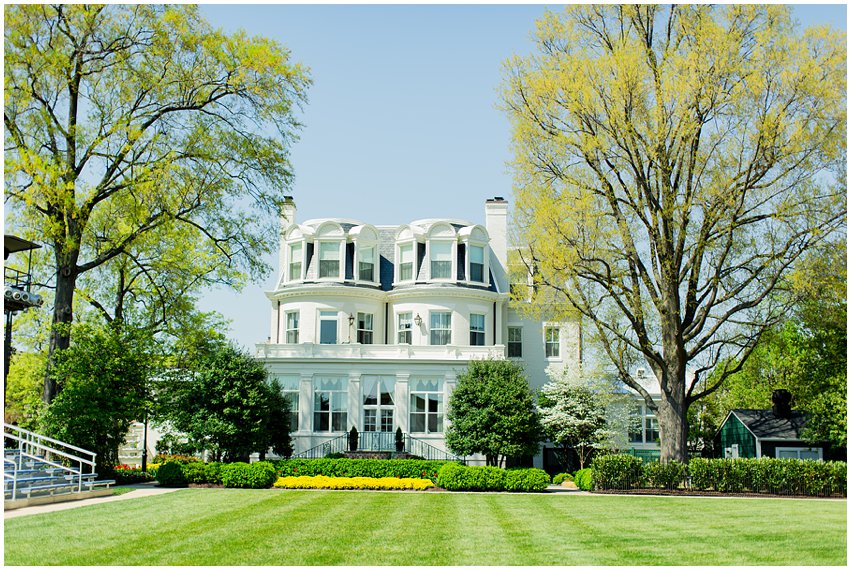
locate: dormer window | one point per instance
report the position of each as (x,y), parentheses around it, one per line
(296,254)
(441,259)
(476,255)
(329,259)
(406,262)
(366,263)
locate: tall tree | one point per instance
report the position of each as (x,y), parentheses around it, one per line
(672,163)
(130,126)
(492,412)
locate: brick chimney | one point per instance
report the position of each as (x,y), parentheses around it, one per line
(496,222)
(287,219)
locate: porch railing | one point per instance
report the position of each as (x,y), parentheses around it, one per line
(378,441)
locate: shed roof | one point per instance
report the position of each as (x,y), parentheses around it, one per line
(765,425)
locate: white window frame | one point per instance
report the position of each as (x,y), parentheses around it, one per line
(453,259)
(439,414)
(327,317)
(398,271)
(341,399)
(379,408)
(509,342)
(402,330)
(288,329)
(302,245)
(485,270)
(293,394)
(359,247)
(481,331)
(433,329)
(362,318)
(556,343)
(798,451)
(341,259)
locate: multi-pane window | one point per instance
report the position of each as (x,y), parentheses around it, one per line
(296,257)
(651,428)
(515,342)
(477,330)
(404,328)
(426,411)
(330,404)
(643,425)
(441,259)
(441,327)
(366,263)
(327,327)
(406,262)
(292,327)
(329,259)
(365,328)
(551,342)
(477,263)
(378,404)
(290,389)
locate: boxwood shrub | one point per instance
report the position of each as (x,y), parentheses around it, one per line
(457,477)
(213,472)
(584,479)
(526,480)
(241,475)
(560,478)
(171,475)
(406,468)
(194,472)
(668,475)
(617,472)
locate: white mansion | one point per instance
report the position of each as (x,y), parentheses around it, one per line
(371,325)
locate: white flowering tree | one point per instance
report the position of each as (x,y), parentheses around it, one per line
(582,414)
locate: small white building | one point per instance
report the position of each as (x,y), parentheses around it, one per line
(371,325)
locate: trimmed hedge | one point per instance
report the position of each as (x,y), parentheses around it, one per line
(322,482)
(405,468)
(584,479)
(166,458)
(457,477)
(171,475)
(127,475)
(260,475)
(560,478)
(764,475)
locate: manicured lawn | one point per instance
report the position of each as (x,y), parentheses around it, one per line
(224,527)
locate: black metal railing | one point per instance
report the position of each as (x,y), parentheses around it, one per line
(17,279)
(378,441)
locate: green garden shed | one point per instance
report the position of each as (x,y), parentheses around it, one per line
(761,433)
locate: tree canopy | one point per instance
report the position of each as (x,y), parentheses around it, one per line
(146,145)
(672,163)
(492,412)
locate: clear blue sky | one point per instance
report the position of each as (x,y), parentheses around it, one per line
(402,120)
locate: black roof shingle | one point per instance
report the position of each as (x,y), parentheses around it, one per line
(765,425)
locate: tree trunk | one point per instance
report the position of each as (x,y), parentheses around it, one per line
(671,414)
(60,336)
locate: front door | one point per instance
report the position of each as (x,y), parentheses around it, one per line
(378,407)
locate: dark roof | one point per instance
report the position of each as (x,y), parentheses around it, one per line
(765,425)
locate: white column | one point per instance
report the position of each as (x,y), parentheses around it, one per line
(354,401)
(401,399)
(305,403)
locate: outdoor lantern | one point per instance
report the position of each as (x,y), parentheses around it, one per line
(351,320)
(418,320)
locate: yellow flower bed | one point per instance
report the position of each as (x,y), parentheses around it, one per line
(322,482)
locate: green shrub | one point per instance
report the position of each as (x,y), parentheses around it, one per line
(769,475)
(258,475)
(171,475)
(194,472)
(127,475)
(583,479)
(213,472)
(526,480)
(166,458)
(560,478)
(378,468)
(665,475)
(617,472)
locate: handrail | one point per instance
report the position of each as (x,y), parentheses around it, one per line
(45,438)
(429,451)
(13,476)
(51,450)
(334,445)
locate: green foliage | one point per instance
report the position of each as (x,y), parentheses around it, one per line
(769,475)
(617,471)
(166,458)
(213,472)
(173,444)
(260,475)
(145,147)
(171,475)
(24,389)
(377,468)
(225,404)
(584,479)
(560,478)
(457,477)
(669,475)
(492,412)
(104,376)
(195,472)
(127,475)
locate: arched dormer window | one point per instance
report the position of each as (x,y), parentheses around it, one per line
(476,240)
(366,266)
(405,267)
(441,252)
(295,252)
(330,248)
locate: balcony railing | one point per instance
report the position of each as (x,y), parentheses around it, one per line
(379,351)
